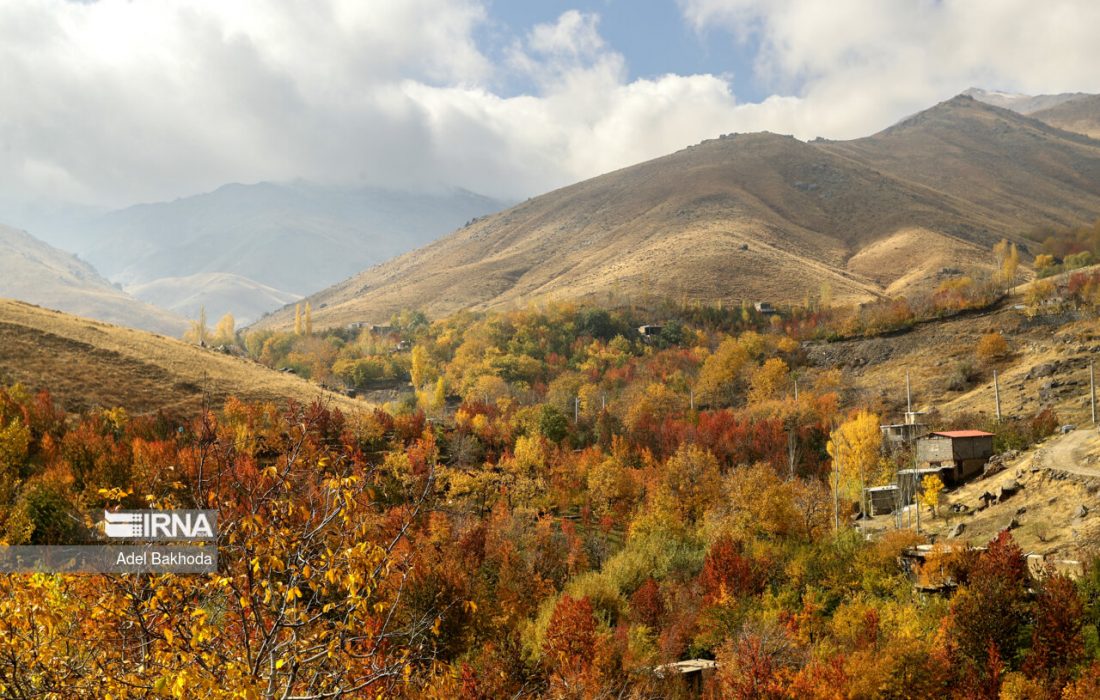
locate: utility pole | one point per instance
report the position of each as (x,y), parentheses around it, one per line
(997,394)
(1092,391)
(691,398)
(576,409)
(908,395)
(916,489)
(796,391)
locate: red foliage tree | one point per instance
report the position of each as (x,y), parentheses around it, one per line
(1057,645)
(728,572)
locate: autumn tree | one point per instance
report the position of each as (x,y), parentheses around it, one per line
(225,331)
(990,613)
(689,484)
(1057,642)
(1039,293)
(297,319)
(570,646)
(855,446)
(769,381)
(729,572)
(718,380)
(1007,259)
(308,319)
(992,346)
(931,486)
(756,664)
(198,332)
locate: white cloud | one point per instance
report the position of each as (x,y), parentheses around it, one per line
(115,101)
(855,65)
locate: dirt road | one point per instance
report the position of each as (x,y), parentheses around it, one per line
(1076,452)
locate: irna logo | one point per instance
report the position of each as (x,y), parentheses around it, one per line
(161,524)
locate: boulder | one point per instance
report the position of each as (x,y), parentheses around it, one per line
(1012,524)
(956,531)
(1081,512)
(1044,370)
(1006,490)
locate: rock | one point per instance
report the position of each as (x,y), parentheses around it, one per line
(1068,428)
(1007,489)
(1012,524)
(1044,370)
(1081,511)
(956,531)
(1021,510)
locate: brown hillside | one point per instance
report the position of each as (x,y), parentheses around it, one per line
(86,363)
(754,216)
(1010,171)
(1081,115)
(38,273)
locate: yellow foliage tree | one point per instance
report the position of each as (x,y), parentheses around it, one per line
(422,368)
(689,485)
(198,332)
(931,486)
(297,319)
(718,377)
(225,333)
(855,446)
(769,381)
(1038,294)
(992,346)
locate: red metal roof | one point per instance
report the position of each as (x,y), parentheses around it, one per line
(963,433)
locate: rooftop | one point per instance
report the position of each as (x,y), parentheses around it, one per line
(963,433)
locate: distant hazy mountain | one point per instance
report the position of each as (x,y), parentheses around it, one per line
(1020,103)
(36,272)
(755,216)
(218,292)
(1081,115)
(270,243)
(1073,111)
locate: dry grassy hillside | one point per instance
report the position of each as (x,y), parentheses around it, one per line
(41,274)
(1010,171)
(86,363)
(755,216)
(1081,115)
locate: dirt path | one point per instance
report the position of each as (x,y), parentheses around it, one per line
(1075,452)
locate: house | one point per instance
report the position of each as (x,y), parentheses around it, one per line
(649,330)
(693,672)
(897,434)
(958,454)
(764,307)
(882,499)
(900,434)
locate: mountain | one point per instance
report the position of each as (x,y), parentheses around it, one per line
(218,292)
(755,216)
(1010,172)
(85,364)
(1073,111)
(285,239)
(1081,115)
(35,272)
(1020,103)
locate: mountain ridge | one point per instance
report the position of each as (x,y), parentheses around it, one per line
(36,272)
(754,216)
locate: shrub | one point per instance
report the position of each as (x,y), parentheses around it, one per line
(992,346)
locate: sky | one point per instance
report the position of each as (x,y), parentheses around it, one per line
(111,102)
